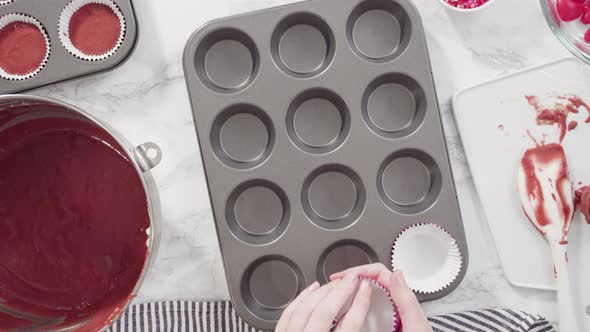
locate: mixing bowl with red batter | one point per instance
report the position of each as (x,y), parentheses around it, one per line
(78,209)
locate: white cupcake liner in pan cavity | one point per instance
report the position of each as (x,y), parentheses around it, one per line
(17,17)
(382,316)
(64,29)
(428,256)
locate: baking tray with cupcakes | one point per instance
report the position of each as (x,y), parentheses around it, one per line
(323,149)
(44,42)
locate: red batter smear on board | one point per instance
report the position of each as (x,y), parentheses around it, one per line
(538,142)
(572,125)
(558,114)
(583,201)
(94,29)
(577,102)
(73,215)
(22,48)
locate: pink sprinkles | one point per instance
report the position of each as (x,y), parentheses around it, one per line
(467,4)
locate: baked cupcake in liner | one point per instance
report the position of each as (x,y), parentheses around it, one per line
(429,257)
(11,18)
(383,314)
(5,2)
(64,29)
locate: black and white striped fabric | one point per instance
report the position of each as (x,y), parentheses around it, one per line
(181,316)
(186,316)
(492,320)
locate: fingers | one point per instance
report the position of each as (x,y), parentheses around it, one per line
(316,307)
(302,313)
(411,313)
(324,314)
(283,323)
(356,315)
(376,271)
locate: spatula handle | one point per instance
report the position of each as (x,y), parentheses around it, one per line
(568,321)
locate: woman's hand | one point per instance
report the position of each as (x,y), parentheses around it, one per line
(412,316)
(316,308)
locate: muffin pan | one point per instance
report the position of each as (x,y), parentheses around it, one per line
(61,64)
(321,140)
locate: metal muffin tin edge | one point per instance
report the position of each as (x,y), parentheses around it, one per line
(355,236)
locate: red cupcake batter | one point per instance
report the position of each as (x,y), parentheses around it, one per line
(583,201)
(94,29)
(558,114)
(22,48)
(549,162)
(73,215)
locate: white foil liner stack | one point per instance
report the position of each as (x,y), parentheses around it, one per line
(428,256)
(12,18)
(64,28)
(383,315)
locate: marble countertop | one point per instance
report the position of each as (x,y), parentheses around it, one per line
(146,100)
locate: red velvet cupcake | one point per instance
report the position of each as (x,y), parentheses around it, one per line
(24,47)
(92,30)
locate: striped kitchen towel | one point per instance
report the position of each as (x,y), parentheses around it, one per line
(186,316)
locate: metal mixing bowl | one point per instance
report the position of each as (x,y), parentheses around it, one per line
(144,157)
(570,34)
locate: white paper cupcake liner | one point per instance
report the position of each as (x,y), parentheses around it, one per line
(15,17)
(428,256)
(64,28)
(5,2)
(383,315)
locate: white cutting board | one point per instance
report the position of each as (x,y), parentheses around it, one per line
(494,155)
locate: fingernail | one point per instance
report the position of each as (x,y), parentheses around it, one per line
(399,280)
(364,286)
(351,278)
(313,286)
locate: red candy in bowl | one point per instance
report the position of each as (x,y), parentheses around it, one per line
(570,22)
(569,10)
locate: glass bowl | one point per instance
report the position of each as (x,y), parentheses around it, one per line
(570,34)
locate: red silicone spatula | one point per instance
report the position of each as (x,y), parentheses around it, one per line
(548,202)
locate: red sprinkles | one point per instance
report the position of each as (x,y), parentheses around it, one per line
(467,4)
